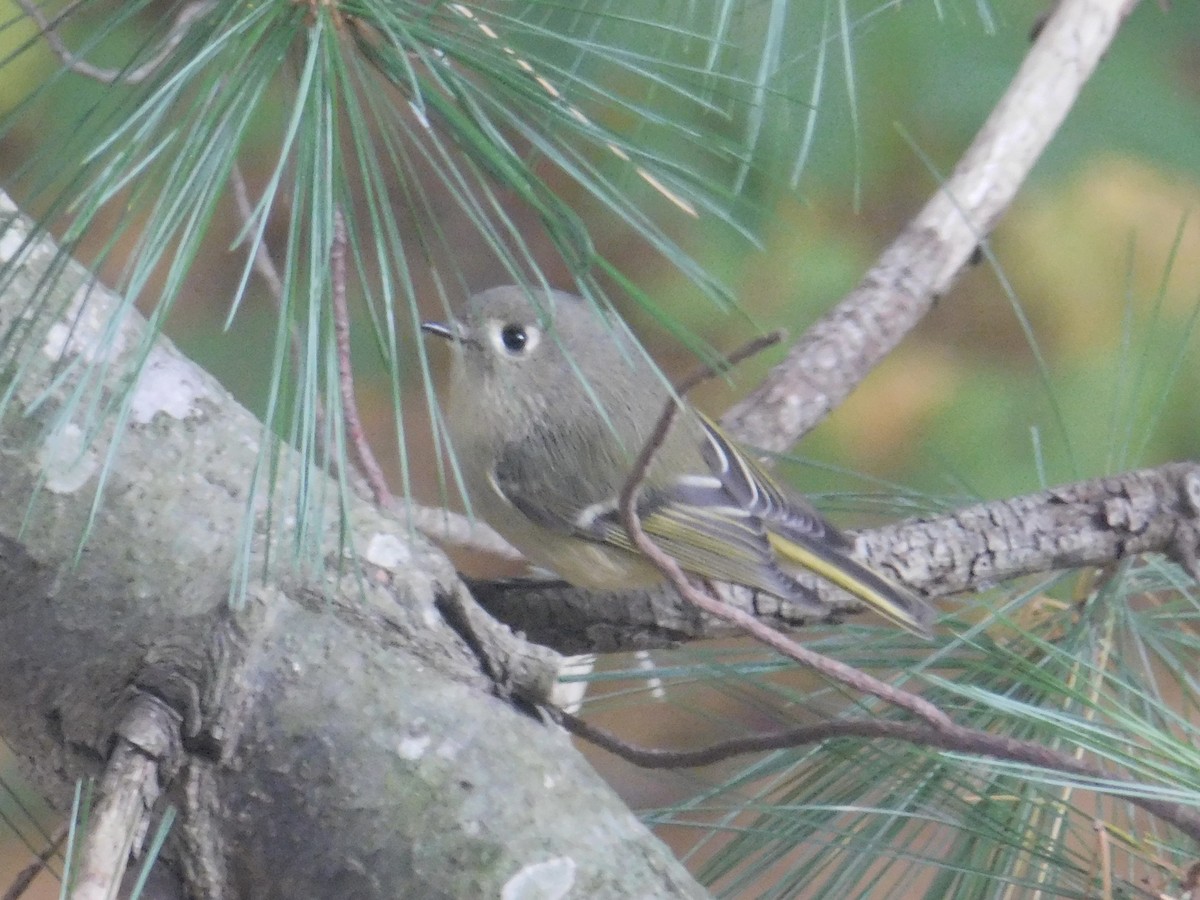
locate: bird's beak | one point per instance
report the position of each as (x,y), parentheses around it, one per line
(449,332)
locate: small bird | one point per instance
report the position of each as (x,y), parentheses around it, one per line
(550,403)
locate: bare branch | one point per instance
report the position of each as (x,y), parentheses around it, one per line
(837,352)
(957,739)
(80,66)
(145,757)
(1089,523)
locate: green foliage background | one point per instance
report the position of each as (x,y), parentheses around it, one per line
(1099,260)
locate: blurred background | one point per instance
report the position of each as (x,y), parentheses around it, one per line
(1098,260)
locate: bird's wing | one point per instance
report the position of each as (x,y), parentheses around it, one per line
(799,535)
(752,488)
(694,521)
(693,518)
(733,523)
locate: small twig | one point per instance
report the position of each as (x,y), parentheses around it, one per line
(146,754)
(937,729)
(831,668)
(80,66)
(753,347)
(267,270)
(355,432)
(263,264)
(957,739)
(25,877)
(437,524)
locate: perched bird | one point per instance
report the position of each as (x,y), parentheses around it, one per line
(550,403)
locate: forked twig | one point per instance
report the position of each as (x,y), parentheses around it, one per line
(936,728)
(80,66)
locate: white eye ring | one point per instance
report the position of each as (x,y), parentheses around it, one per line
(514,339)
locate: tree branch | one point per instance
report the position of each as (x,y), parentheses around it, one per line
(348,697)
(957,739)
(146,755)
(70,60)
(838,351)
(1088,523)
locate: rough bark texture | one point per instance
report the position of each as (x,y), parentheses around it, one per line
(837,352)
(1090,523)
(341,739)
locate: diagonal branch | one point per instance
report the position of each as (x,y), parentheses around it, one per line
(837,352)
(760,631)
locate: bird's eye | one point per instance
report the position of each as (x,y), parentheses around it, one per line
(514,338)
(511,340)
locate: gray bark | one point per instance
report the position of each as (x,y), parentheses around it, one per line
(338,738)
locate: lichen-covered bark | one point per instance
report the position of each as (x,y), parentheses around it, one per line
(340,739)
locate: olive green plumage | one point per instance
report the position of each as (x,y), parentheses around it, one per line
(550,403)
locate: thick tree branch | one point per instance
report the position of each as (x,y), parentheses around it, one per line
(341,739)
(1089,523)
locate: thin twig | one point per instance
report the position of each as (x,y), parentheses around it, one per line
(937,730)
(958,739)
(437,524)
(751,348)
(367,464)
(831,668)
(269,272)
(80,66)
(263,264)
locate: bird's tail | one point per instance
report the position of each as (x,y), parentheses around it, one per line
(893,602)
